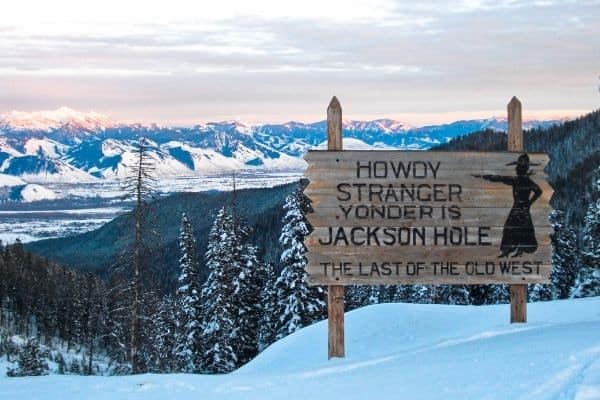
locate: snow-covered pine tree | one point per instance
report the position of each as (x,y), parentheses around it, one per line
(268,327)
(453,294)
(540,292)
(30,361)
(373,294)
(353,297)
(565,260)
(588,278)
(298,304)
(401,294)
(387,293)
(189,318)
(219,310)
(166,329)
(497,294)
(247,296)
(421,294)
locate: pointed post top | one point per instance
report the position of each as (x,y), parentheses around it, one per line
(514,101)
(334,125)
(334,104)
(515,125)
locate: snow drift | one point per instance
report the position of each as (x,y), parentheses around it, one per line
(394,351)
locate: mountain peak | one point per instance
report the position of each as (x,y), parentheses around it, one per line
(49,120)
(383,125)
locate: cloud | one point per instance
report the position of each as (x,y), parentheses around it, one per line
(242,57)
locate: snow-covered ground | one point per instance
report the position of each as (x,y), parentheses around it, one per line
(394,351)
(30,222)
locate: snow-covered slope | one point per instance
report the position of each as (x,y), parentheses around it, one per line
(54,119)
(9,180)
(31,192)
(394,351)
(65,145)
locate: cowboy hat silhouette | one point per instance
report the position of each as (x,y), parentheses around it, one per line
(523,161)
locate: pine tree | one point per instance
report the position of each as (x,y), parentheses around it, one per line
(453,294)
(421,294)
(247,295)
(140,185)
(402,294)
(497,294)
(189,336)
(588,278)
(220,313)
(540,292)
(298,305)
(268,326)
(374,292)
(565,257)
(30,361)
(166,329)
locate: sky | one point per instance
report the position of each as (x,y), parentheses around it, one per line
(182,62)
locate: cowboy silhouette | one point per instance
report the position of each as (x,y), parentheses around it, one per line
(518,235)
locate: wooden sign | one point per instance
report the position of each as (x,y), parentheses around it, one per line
(407,217)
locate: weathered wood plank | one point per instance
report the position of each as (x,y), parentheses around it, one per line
(318,254)
(470,216)
(364,237)
(458,159)
(316,175)
(476,275)
(430,196)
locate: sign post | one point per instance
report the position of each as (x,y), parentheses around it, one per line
(420,217)
(514,138)
(335,293)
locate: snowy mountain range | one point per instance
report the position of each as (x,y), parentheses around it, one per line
(68,146)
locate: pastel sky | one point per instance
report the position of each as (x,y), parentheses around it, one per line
(181,62)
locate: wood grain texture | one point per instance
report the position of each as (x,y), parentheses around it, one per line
(518,293)
(518,303)
(335,293)
(515,125)
(431,195)
(335,321)
(412,238)
(334,125)
(476,276)
(453,160)
(470,216)
(319,254)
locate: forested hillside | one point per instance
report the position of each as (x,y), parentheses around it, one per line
(574,150)
(101,249)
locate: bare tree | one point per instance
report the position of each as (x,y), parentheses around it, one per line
(140,185)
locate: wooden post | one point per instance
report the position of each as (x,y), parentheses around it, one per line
(335,293)
(518,293)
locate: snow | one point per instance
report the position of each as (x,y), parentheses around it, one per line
(356,144)
(10,180)
(48,147)
(53,119)
(406,351)
(33,192)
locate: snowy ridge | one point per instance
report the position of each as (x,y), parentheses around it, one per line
(67,146)
(54,119)
(407,351)
(31,192)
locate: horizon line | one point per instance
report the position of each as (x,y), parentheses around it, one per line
(411,120)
